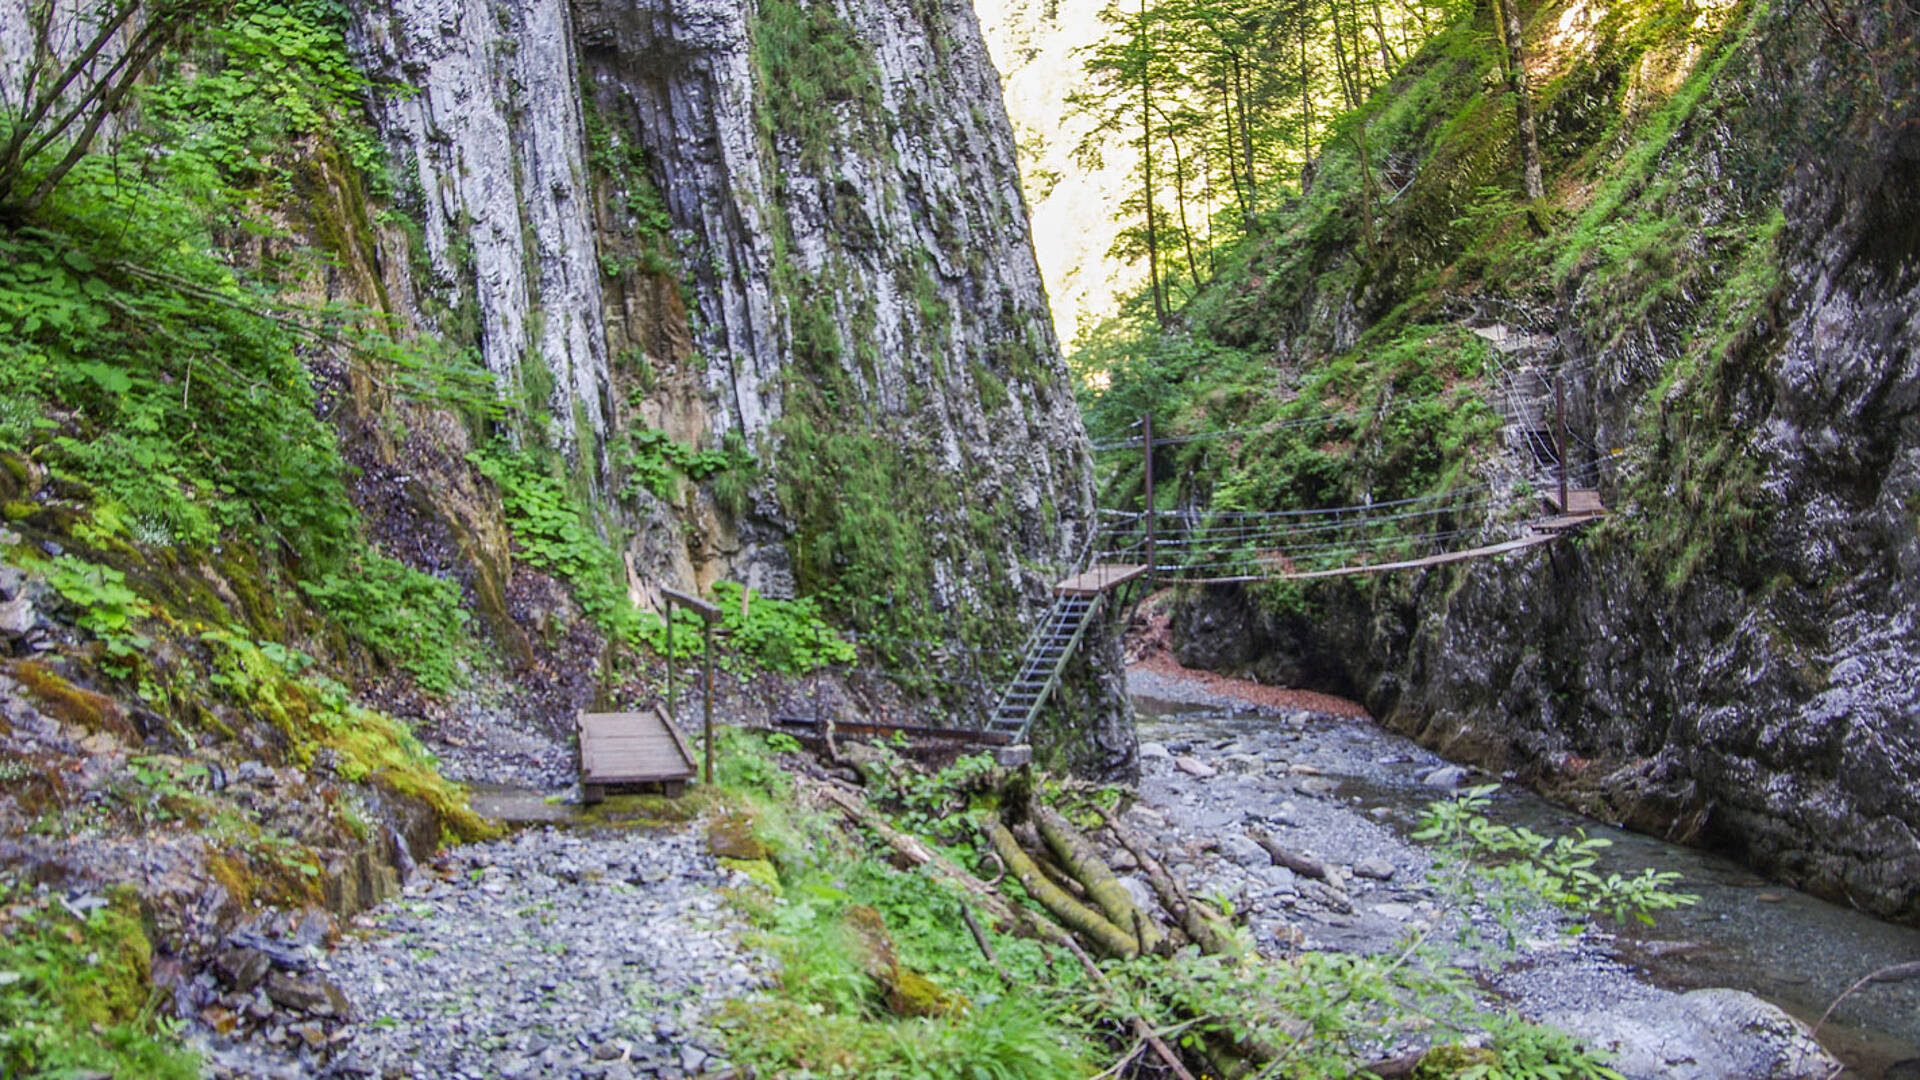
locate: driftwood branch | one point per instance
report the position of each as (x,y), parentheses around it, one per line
(1202,924)
(1891,974)
(1304,865)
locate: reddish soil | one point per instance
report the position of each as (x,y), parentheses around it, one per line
(1149,647)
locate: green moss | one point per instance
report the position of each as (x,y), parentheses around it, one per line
(69,703)
(760,870)
(1448,1062)
(77,993)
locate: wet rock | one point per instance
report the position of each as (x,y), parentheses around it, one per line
(1446,777)
(1376,868)
(307,993)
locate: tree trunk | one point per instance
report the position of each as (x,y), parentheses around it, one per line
(1233,154)
(1246,129)
(1349,83)
(1077,916)
(1087,867)
(1509,15)
(1146,170)
(1306,107)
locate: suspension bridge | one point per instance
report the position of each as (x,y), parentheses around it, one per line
(1541,495)
(1547,496)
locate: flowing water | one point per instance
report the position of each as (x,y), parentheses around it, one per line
(1795,950)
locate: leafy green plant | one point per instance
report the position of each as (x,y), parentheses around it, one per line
(75,990)
(655,462)
(413,618)
(780,635)
(1528,867)
(549,529)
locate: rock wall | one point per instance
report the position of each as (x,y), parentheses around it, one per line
(1733,658)
(839,282)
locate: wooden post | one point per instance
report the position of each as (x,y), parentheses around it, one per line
(1147,442)
(711,616)
(707,723)
(1560,435)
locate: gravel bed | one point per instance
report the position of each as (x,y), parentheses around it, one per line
(1345,793)
(550,954)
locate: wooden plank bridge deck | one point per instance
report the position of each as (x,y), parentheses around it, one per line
(1100,578)
(1581,502)
(622,749)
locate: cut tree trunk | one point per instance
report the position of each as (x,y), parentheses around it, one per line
(1077,916)
(1088,868)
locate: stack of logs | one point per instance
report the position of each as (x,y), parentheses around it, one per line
(1065,874)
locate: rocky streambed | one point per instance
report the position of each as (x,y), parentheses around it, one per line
(554,953)
(1674,1000)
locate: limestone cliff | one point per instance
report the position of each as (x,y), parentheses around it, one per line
(790,230)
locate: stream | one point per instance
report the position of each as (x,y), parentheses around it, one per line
(1792,949)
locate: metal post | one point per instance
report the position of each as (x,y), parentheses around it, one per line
(672,716)
(707,725)
(1560,435)
(1147,442)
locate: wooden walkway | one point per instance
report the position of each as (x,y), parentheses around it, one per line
(623,749)
(1100,578)
(1581,502)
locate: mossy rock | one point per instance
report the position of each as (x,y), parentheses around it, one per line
(905,991)
(72,704)
(731,837)
(760,870)
(1446,1062)
(913,994)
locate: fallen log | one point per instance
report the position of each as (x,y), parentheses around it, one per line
(1077,916)
(1004,912)
(1087,867)
(1202,924)
(1141,1029)
(1304,865)
(913,851)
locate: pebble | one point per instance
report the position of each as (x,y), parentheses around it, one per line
(1376,868)
(1194,767)
(493,967)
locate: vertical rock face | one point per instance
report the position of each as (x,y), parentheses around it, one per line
(846,206)
(490,154)
(792,228)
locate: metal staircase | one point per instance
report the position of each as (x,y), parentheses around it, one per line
(1045,657)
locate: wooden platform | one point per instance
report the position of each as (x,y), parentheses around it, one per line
(1581,502)
(621,749)
(1099,579)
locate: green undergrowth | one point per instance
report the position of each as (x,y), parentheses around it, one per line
(830,1015)
(75,991)
(843,920)
(553,532)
